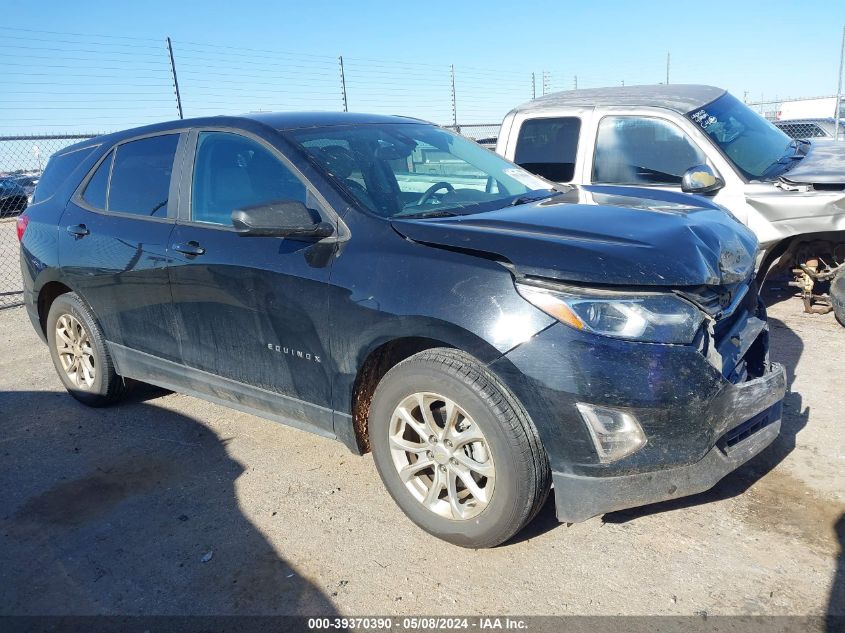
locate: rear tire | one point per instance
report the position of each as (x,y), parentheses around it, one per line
(442,419)
(79,353)
(837,297)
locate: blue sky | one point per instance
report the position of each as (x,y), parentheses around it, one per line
(104,65)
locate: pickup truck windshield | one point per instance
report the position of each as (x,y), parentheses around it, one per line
(756,147)
(417,170)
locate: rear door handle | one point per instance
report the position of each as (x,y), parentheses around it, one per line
(78,230)
(190,248)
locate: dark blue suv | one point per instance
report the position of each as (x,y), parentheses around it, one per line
(387,283)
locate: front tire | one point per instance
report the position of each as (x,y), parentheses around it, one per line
(456,450)
(79,353)
(837,297)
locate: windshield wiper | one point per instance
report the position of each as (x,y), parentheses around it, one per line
(424,214)
(788,160)
(527,197)
(797,145)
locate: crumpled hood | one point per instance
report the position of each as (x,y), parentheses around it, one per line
(824,163)
(604,235)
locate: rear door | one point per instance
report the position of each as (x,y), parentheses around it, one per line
(113,242)
(252,311)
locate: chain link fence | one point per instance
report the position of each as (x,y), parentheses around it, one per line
(22,159)
(484,134)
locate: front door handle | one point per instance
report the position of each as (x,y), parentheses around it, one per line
(191,248)
(78,230)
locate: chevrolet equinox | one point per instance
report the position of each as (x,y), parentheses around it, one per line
(384,282)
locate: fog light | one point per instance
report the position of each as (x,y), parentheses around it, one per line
(615,433)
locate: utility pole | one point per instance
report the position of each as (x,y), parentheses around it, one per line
(668,60)
(533,86)
(175,80)
(576,82)
(545,82)
(454,100)
(343,85)
(838,107)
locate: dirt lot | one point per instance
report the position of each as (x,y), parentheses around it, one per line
(10,271)
(170,505)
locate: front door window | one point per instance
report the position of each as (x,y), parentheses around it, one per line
(632,150)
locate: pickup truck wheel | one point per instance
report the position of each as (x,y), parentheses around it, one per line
(837,296)
(456,450)
(79,353)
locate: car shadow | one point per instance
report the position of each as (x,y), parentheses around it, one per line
(786,348)
(775,291)
(130,510)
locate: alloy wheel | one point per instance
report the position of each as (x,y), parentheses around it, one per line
(75,352)
(442,456)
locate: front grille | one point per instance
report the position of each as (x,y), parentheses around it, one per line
(731,307)
(720,302)
(749,427)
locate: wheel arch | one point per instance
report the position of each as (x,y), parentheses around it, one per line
(776,251)
(380,359)
(47,294)
(390,345)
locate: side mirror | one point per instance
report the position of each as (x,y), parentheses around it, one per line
(281,218)
(701,179)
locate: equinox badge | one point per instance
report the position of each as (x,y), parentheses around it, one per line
(296,353)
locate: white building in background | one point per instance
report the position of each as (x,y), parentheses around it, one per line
(818,108)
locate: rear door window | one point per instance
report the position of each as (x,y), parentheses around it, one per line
(548,147)
(140,177)
(633,150)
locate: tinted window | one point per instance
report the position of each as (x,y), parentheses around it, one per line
(548,147)
(755,146)
(413,169)
(642,151)
(232,172)
(140,180)
(58,168)
(95,190)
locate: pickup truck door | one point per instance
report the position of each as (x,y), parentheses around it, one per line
(653,148)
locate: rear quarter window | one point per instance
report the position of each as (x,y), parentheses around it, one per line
(548,147)
(58,168)
(140,176)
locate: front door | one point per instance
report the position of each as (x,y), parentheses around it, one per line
(252,311)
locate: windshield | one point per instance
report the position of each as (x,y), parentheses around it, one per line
(756,147)
(417,169)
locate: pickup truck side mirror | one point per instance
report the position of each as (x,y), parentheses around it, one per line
(280,218)
(701,179)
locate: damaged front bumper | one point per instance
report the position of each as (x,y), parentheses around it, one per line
(753,420)
(703,409)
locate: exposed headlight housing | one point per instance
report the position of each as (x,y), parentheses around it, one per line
(649,317)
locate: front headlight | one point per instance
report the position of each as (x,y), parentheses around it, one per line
(649,317)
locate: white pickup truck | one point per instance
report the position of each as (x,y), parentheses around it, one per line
(700,140)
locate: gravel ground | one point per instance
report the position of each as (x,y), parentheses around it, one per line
(170,505)
(10,268)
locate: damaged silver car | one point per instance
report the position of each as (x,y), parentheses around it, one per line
(700,140)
